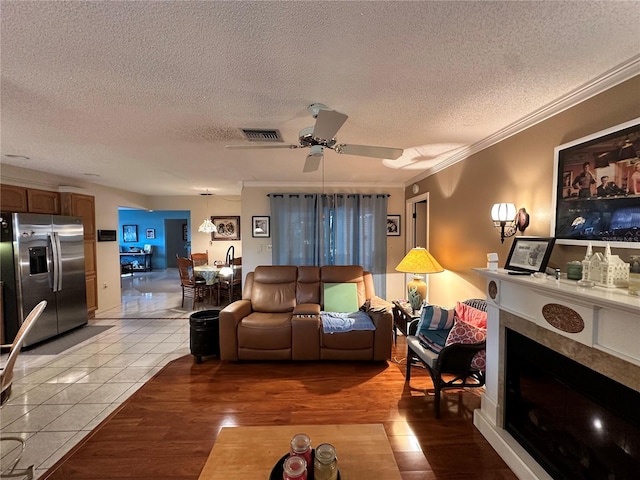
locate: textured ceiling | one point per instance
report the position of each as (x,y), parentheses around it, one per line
(144,96)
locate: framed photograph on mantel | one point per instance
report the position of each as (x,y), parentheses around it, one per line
(228,228)
(529,254)
(596,196)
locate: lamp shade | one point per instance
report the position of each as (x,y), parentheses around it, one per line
(207,226)
(503,212)
(419,260)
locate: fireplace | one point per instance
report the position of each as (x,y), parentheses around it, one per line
(576,423)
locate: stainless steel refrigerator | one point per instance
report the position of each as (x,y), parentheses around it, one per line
(42,258)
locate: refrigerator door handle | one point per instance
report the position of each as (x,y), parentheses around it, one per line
(57,263)
(51,263)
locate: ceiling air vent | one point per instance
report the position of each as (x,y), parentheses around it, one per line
(255,135)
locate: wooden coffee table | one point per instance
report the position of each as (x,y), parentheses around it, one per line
(363,451)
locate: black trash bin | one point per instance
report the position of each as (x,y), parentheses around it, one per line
(204,334)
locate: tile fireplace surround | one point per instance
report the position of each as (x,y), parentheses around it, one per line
(597,327)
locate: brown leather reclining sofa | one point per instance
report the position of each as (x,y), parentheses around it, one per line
(278,317)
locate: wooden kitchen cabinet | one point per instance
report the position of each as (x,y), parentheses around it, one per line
(28,200)
(13,199)
(43,201)
(84,206)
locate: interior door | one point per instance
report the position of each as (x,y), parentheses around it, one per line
(175,244)
(420,221)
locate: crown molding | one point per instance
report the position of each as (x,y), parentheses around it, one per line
(601,83)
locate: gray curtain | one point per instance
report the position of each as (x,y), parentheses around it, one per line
(337,229)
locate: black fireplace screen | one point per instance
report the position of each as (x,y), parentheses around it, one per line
(577,423)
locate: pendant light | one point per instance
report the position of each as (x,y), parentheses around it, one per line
(207,226)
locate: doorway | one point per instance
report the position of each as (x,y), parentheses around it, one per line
(417,212)
(175,243)
(418,224)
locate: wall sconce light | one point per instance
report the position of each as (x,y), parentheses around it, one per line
(505,219)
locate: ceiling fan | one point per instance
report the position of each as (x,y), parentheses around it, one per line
(322,135)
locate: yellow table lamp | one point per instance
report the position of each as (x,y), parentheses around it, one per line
(418,261)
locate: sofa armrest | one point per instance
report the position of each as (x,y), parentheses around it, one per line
(305,337)
(306,309)
(383,336)
(230,316)
(377,304)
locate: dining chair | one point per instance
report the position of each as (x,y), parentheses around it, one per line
(230,287)
(191,286)
(14,443)
(200,258)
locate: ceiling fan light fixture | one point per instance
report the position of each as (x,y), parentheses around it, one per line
(316,151)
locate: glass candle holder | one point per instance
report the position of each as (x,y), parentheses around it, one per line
(301,447)
(325,466)
(294,468)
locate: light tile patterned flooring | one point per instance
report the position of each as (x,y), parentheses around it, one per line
(57,400)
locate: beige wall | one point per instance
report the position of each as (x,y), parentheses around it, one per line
(519,170)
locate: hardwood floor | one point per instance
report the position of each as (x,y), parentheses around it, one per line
(166,430)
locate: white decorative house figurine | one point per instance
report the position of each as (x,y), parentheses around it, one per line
(605,270)
(492,261)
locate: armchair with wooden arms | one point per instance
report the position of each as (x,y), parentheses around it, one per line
(459,363)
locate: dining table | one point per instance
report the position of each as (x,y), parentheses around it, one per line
(208,272)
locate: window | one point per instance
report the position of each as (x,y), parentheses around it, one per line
(337,229)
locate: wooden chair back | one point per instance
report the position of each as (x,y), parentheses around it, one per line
(185,268)
(200,258)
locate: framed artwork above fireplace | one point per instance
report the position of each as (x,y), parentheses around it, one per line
(596,182)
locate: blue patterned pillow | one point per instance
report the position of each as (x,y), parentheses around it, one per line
(433,317)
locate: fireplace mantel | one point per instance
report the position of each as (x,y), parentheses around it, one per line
(597,327)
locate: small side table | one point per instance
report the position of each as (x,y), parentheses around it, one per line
(403,315)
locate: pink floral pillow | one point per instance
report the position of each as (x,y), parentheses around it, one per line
(471,315)
(463,332)
(479,361)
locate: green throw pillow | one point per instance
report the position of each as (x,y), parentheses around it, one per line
(341,297)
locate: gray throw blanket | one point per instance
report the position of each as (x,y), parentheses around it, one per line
(333,322)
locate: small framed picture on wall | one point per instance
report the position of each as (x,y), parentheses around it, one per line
(151,233)
(393,225)
(260,227)
(129,233)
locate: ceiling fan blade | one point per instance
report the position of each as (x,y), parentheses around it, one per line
(328,122)
(249,147)
(312,163)
(369,151)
